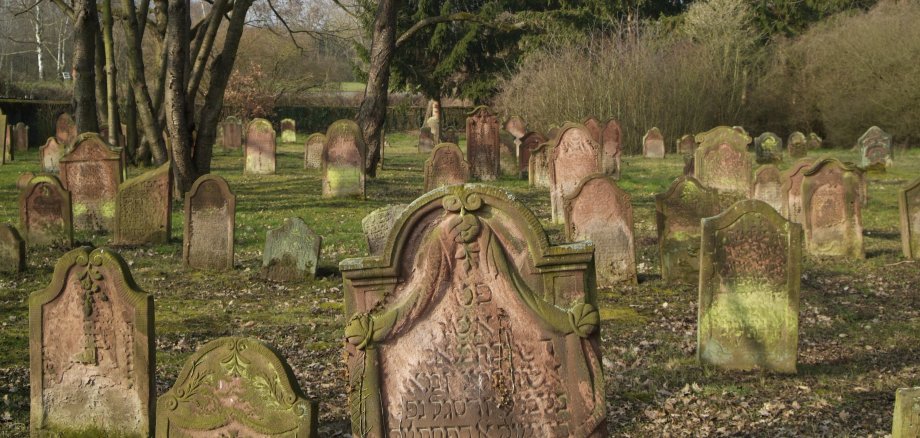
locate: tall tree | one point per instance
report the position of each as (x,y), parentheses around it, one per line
(84,55)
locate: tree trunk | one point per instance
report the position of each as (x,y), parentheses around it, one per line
(373,110)
(102,107)
(111,72)
(39,40)
(131,136)
(177,120)
(84,52)
(204,49)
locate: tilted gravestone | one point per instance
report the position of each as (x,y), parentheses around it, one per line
(313,151)
(377,226)
(516,127)
(65,129)
(575,155)
(344,155)
(678,212)
(767,186)
(260,148)
(291,251)
(686,145)
(12,250)
(210,215)
(909,203)
(91,343)
(471,324)
(232,135)
(45,213)
(750,272)
(50,155)
(653,144)
(529,142)
(445,167)
(722,161)
(20,138)
(814,141)
(92,171)
(791,190)
(796,145)
(235,387)
(875,149)
(832,209)
(601,212)
(143,208)
(611,147)
(593,125)
(482,144)
(425,140)
(906,421)
(288,131)
(508,159)
(538,166)
(768,148)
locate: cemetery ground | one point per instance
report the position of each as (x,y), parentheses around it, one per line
(859,334)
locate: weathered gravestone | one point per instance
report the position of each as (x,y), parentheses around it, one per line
(260,148)
(313,151)
(445,167)
(91,343)
(653,144)
(593,125)
(425,140)
(12,250)
(235,387)
(768,148)
(7,156)
(508,159)
(92,171)
(552,132)
(814,141)
(906,421)
(291,251)
(722,162)
(377,227)
(434,125)
(65,129)
(516,127)
(686,145)
(482,144)
(20,138)
(791,190)
(210,215)
(767,186)
(832,209)
(471,324)
(232,135)
(143,209)
(678,212)
(611,147)
(45,214)
(23,180)
(796,145)
(50,155)
(875,149)
(529,142)
(288,131)
(4,133)
(601,212)
(750,269)
(538,166)
(343,159)
(909,203)
(448,136)
(575,155)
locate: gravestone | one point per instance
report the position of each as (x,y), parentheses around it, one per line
(906,421)
(434,125)
(313,151)
(288,131)
(678,212)
(593,125)
(50,155)
(91,171)
(611,147)
(8,154)
(482,144)
(232,137)
(791,190)
(344,154)
(91,342)
(377,226)
(575,155)
(20,137)
(65,129)
(875,149)
(12,250)
(552,132)
(235,387)
(796,145)
(5,150)
(23,180)
(909,203)
(686,145)
(722,162)
(768,148)
(832,209)
(425,140)
(143,208)
(260,148)
(516,127)
(210,216)
(291,252)
(750,272)
(689,167)
(538,166)
(814,141)
(653,144)
(508,159)
(529,142)
(45,214)
(767,186)
(601,212)
(445,167)
(471,324)
(449,136)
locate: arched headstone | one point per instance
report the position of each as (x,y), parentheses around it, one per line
(575,156)
(232,135)
(653,144)
(210,218)
(482,144)
(50,155)
(796,145)
(593,125)
(65,129)
(538,166)
(768,148)
(313,151)
(20,137)
(344,155)
(288,131)
(832,209)
(722,161)
(678,212)
(45,213)
(92,171)
(445,167)
(791,190)
(611,147)
(767,186)
(529,142)
(875,149)
(260,148)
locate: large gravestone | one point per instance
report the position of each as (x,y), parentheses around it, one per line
(65,129)
(611,147)
(538,166)
(445,167)
(909,203)
(686,145)
(593,125)
(143,209)
(92,171)
(653,144)
(875,149)
(767,186)
(291,251)
(529,142)
(482,144)
(796,145)
(601,212)
(906,421)
(45,213)
(20,138)
(210,215)
(722,162)
(313,151)
(260,148)
(343,159)
(377,226)
(678,212)
(516,127)
(235,387)
(575,156)
(50,155)
(832,209)
(232,135)
(791,190)
(750,270)
(425,140)
(288,131)
(91,342)
(471,324)
(768,148)
(12,250)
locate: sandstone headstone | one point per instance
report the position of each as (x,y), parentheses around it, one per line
(516,126)
(232,135)
(8,154)
(653,144)
(538,166)
(91,341)
(45,214)
(12,250)
(23,180)
(791,190)
(377,226)
(471,324)
(343,159)
(313,151)
(508,159)
(20,137)
(482,144)
(236,387)
(445,167)
(767,186)
(875,149)
(832,209)
(65,129)
(814,141)
(291,251)
(288,131)
(593,125)
(686,144)
(689,166)
(611,147)
(722,162)
(909,203)
(529,142)
(768,148)
(750,271)
(601,212)
(260,148)
(91,171)
(143,209)
(210,216)
(552,132)
(796,145)
(425,140)
(906,421)
(678,212)
(575,155)
(50,155)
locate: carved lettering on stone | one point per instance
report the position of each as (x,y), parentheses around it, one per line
(377,226)
(482,144)
(575,156)
(722,161)
(445,167)
(875,149)
(313,151)
(143,209)
(210,217)
(678,212)
(92,171)
(791,190)
(832,209)
(45,213)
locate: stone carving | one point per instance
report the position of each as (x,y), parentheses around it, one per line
(767,186)
(814,141)
(906,421)
(232,135)
(482,144)
(344,154)
(377,226)
(288,131)
(12,250)
(750,269)
(768,148)
(575,155)
(91,350)
(65,129)
(45,213)
(260,148)
(832,209)
(686,145)
(445,167)
(471,324)
(601,212)
(612,148)
(210,217)
(20,139)
(875,149)
(92,171)
(425,140)
(50,155)
(678,212)
(313,151)
(796,145)
(653,144)
(791,190)
(722,162)
(143,209)
(909,202)
(538,166)
(593,125)
(529,142)
(516,126)
(291,252)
